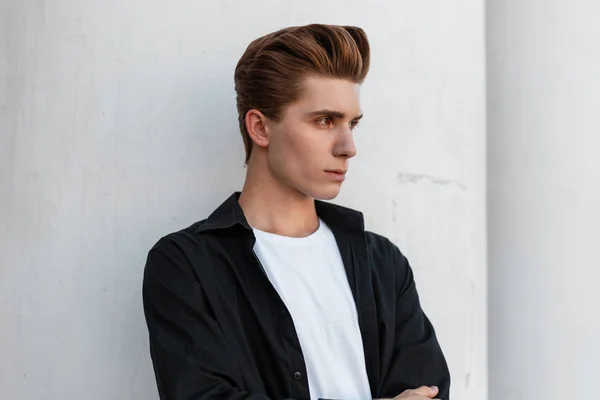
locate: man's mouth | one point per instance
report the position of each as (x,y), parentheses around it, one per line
(336,174)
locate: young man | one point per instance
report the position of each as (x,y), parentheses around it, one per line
(276,294)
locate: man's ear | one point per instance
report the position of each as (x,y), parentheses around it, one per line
(256,125)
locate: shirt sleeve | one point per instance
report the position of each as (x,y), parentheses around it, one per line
(417,357)
(188,348)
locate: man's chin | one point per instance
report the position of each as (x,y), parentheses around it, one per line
(326,194)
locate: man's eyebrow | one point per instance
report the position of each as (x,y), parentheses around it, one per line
(331,113)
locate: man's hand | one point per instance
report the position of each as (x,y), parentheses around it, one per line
(424,392)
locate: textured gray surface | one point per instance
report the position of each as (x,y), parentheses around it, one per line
(119,125)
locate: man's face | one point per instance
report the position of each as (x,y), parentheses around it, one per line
(310,146)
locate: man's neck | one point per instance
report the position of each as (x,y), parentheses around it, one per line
(271,207)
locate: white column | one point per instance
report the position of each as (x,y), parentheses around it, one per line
(544,198)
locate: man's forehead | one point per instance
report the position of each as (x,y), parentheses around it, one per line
(321,93)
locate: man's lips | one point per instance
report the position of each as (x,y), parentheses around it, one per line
(336,174)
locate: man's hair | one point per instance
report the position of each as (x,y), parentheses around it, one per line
(269,75)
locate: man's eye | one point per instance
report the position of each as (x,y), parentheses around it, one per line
(324,122)
(353,125)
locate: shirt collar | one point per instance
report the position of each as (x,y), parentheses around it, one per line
(229,214)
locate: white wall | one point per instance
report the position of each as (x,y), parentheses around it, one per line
(544,198)
(119,125)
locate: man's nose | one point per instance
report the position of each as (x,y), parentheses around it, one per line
(345,146)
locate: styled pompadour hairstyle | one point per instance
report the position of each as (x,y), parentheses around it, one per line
(269,74)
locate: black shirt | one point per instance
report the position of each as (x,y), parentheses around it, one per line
(219,330)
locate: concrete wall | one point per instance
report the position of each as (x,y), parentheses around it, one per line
(118,126)
(544,198)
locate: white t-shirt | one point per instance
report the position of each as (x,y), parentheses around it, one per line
(309,275)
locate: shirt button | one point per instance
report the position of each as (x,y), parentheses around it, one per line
(297,375)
